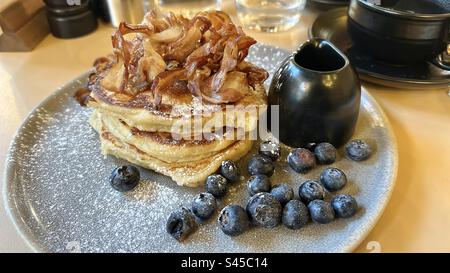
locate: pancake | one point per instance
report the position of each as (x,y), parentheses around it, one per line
(180,110)
(190,174)
(159,144)
(169,80)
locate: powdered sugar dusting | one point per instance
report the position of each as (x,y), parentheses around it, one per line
(60,197)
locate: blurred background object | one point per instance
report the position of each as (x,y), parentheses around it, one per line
(130,11)
(328,4)
(187,8)
(101,10)
(333,26)
(70,18)
(23,24)
(269,15)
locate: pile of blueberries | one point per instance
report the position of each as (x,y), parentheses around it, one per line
(269,205)
(182,221)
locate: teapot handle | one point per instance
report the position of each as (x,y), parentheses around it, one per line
(443,60)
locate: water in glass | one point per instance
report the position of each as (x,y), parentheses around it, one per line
(187,8)
(269,15)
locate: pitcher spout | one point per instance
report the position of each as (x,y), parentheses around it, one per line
(320,56)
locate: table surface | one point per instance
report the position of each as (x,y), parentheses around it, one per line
(417,218)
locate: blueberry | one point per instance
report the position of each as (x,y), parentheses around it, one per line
(333,179)
(311,190)
(295,214)
(283,193)
(258,183)
(125,178)
(204,205)
(230,170)
(321,211)
(344,205)
(325,153)
(270,149)
(358,150)
(216,185)
(301,160)
(261,164)
(264,210)
(181,223)
(233,220)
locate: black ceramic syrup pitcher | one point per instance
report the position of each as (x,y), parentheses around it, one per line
(318,94)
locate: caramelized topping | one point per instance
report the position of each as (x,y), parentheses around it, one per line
(82,96)
(207,52)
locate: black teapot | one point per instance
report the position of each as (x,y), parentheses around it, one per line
(317,94)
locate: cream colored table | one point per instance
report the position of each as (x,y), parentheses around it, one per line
(418,215)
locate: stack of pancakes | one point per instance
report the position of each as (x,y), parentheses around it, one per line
(151,132)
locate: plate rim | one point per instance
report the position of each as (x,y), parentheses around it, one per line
(31,242)
(381,207)
(7,175)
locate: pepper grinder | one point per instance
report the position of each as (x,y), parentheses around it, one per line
(70,18)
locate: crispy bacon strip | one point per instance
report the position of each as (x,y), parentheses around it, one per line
(244,43)
(156,21)
(255,75)
(234,88)
(152,63)
(164,80)
(167,36)
(135,83)
(219,18)
(194,85)
(126,28)
(122,50)
(229,62)
(197,59)
(186,44)
(206,52)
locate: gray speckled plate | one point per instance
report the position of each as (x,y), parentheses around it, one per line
(58,195)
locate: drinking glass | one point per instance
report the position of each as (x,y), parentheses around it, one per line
(187,8)
(269,15)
